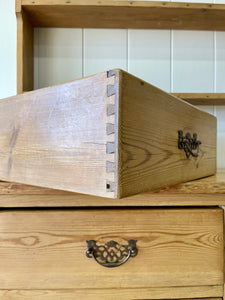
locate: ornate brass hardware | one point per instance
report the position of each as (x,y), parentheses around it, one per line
(111,254)
(188,143)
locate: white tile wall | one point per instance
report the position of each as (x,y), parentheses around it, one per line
(58,55)
(149,56)
(7,49)
(193,64)
(104,49)
(220,62)
(220,87)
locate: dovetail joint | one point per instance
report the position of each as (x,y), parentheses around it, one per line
(111,129)
(111,109)
(110,147)
(110,166)
(110,186)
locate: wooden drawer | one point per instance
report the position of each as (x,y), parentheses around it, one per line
(45,249)
(110,134)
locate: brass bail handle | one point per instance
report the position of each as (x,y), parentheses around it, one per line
(188,144)
(111,254)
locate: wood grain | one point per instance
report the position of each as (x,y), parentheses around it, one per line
(18,5)
(24,52)
(125,14)
(56,137)
(211,186)
(148,136)
(81,200)
(208,191)
(202,98)
(48,248)
(112,294)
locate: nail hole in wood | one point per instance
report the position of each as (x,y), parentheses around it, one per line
(107,186)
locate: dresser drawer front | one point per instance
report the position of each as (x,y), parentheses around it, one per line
(45,249)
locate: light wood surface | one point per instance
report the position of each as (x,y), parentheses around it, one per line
(208,191)
(18,4)
(202,98)
(24,52)
(125,14)
(148,136)
(108,294)
(48,248)
(110,135)
(56,137)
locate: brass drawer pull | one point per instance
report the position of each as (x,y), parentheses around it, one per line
(111,254)
(188,143)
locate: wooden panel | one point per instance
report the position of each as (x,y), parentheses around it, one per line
(204,192)
(24,53)
(71,131)
(125,14)
(18,4)
(211,186)
(148,135)
(81,200)
(48,248)
(57,137)
(111,294)
(202,98)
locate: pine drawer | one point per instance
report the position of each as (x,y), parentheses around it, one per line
(177,248)
(110,135)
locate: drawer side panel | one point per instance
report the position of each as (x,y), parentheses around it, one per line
(149,154)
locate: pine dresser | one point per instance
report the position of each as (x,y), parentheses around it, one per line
(57,245)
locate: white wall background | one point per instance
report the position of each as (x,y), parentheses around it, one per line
(7,48)
(176,61)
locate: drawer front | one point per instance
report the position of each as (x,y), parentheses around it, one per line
(45,249)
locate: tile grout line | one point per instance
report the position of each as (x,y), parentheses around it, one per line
(214,69)
(38,58)
(214,65)
(83,51)
(171,57)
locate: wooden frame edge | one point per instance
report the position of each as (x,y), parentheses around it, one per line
(202,98)
(18,5)
(25,54)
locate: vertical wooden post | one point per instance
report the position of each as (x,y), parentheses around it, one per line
(24,51)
